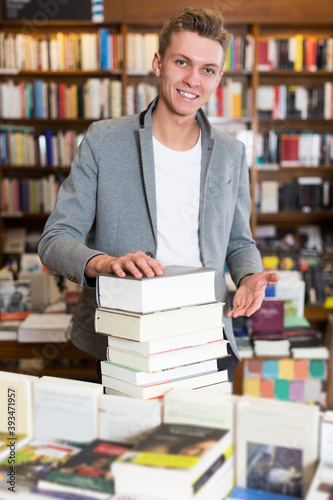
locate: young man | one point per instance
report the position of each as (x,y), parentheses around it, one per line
(164,186)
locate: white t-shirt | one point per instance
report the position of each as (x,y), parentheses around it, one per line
(177,175)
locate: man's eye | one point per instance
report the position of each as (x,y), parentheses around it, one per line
(209,71)
(181,63)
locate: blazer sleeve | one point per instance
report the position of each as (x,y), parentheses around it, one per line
(242,257)
(62,246)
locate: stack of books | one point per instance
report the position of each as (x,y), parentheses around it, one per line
(162,332)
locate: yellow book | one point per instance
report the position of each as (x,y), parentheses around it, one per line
(61,50)
(19,148)
(298,64)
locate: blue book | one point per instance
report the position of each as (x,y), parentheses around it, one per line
(49,147)
(104,48)
(251,494)
(39,110)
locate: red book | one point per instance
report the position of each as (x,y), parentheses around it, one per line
(289,150)
(62,100)
(267,322)
(263,62)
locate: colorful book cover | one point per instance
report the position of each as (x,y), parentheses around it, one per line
(91,468)
(33,462)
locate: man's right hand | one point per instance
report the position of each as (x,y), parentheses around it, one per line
(137,264)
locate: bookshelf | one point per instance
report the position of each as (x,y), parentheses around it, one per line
(278,20)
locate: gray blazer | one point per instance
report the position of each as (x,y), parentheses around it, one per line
(113,179)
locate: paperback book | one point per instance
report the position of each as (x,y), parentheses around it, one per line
(173,460)
(88,470)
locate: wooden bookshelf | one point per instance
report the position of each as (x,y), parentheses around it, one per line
(13,350)
(257,17)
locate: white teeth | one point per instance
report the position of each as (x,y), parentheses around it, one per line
(186,94)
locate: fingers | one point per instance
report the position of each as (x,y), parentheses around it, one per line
(137,264)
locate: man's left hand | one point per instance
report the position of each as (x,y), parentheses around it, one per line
(251,293)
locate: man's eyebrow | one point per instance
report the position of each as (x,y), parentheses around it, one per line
(183,56)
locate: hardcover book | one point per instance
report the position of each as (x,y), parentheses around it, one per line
(179,286)
(158,390)
(168,359)
(140,377)
(158,325)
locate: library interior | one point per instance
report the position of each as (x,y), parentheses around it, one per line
(161,408)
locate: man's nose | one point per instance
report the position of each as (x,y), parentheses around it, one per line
(192,77)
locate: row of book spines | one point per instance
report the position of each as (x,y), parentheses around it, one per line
(40,99)
(296,149)
(299,53)
(49,148)
(61,52)
(295,196)
(240,55)
(29,195)
(293,101)
(231,100)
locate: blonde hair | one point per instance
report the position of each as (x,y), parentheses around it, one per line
(205,22)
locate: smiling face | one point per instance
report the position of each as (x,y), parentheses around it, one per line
(190,71)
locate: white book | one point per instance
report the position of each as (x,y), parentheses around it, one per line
(193,407)
(168,359)
(326,437)
(280,438)
(179,286)
(45,327)
(168,343)
(17,410)
(158,390)
(272,347)
(125,420)
(320,352)
(66,409)
(157,325)
(138,377)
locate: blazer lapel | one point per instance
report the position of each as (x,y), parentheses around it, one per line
(148,170)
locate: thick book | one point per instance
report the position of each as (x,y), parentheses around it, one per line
(179,286)
(167,344)
(89,470)
(174,459)
(140,377)
(159,390)
(157,325)
(168,359)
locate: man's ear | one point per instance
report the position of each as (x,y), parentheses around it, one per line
(157,64)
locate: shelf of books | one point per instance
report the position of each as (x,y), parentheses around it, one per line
(276,95)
